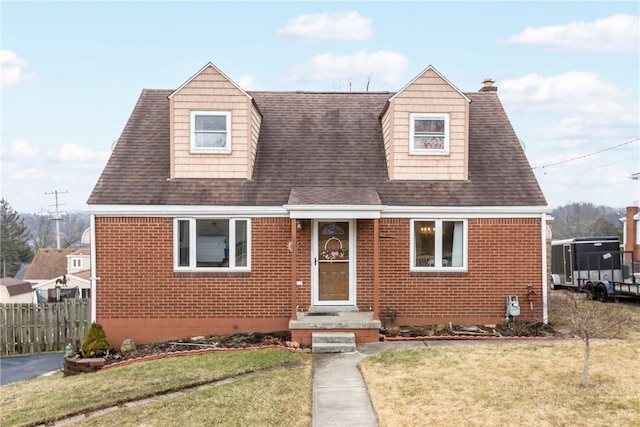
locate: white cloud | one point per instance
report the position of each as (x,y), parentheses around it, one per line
(13,69)
(616,33)
(385,66)
(590,128)
(77,153)
(22,148)
(246,82)
(328,26)
(575,91)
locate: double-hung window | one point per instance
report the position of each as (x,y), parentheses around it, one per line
(212,244)
(439,245)
(210,131)
(429,133)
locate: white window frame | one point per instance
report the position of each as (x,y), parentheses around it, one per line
(76,262)
(193,246)
(192,127)
(438,246)
(447,134)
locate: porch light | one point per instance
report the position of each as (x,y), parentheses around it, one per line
(299,225)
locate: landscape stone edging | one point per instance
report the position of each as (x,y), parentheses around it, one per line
(201,351)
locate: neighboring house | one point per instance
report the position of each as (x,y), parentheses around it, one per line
(631,232)
(15,291)
(60,273)
(222,210)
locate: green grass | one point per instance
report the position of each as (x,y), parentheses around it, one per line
(46,399)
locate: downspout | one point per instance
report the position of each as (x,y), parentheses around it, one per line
(294,270)
(94,279)
(376,268)
(543,233)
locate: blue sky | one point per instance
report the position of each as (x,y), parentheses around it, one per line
(567,74)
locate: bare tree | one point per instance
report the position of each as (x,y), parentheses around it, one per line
(42,230)
(584,220)
(72,226)
(591,319)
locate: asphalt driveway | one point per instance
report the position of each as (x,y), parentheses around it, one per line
(19,368)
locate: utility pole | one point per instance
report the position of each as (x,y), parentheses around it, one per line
(57,218)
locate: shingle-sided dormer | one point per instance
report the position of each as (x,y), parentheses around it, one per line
(214,128)
(426,130)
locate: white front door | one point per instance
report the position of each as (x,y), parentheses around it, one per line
(333,262)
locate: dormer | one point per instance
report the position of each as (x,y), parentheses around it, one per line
(426,130)
(214,128)
(79,260)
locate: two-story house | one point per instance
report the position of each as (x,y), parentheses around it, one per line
(224,210)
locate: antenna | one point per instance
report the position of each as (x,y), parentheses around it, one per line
(57,218)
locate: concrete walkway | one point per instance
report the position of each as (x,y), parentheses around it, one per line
(340,396)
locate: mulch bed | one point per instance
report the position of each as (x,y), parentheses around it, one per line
(203,344)
(282,340)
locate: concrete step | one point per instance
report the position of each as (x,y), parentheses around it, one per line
(333,342)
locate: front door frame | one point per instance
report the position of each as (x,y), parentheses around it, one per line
(315,285)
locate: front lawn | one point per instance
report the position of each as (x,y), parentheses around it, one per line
(46,399)
(532,384)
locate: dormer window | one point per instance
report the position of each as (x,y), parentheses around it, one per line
(210,132)
(76,262)
(429,133)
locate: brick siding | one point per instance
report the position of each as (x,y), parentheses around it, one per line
(139,295)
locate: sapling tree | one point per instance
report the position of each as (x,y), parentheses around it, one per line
(589,319)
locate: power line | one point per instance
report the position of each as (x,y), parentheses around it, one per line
(586,155)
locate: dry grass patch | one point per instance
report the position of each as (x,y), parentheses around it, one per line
(277,398)
(509,384)
(49,398)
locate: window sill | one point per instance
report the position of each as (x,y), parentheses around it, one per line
(442,152)
(221,273)
(438,273)
(210,150)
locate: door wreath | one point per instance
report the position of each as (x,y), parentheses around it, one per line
(337,252)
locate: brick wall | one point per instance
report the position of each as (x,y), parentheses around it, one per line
(139,295)
(504,257)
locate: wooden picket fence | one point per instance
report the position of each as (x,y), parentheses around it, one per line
(43,327)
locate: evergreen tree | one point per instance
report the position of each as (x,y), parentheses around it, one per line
(14,249)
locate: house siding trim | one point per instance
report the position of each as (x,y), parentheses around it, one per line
(190,210)
(207,65)
(93,278)
(288,210)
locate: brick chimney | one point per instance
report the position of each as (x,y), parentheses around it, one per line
(631,232)
(488,86)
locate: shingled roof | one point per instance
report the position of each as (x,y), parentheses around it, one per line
(16,286)
(48,264)
(322,144)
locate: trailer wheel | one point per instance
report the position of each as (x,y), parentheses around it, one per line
(589,290)
(601,294)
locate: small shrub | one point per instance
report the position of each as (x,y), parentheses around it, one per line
(95,343)
(394,331)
